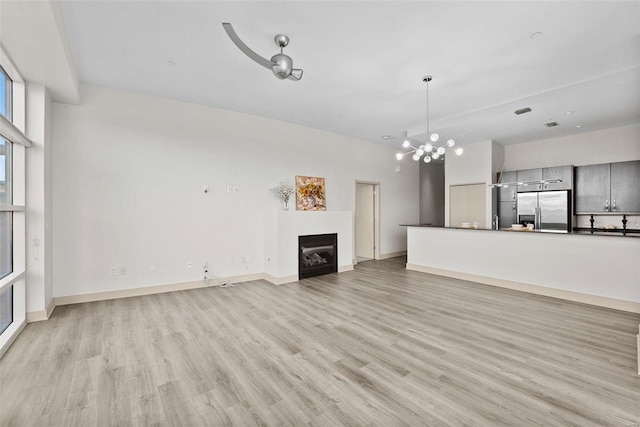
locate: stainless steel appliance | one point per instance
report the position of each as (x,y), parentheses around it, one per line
(547,210)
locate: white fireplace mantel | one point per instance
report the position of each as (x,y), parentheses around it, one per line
(282,228)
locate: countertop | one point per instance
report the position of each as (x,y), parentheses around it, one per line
(576,231)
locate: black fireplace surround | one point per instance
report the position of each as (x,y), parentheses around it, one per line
(317,255)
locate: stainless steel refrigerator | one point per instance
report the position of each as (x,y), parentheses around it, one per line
(547,210)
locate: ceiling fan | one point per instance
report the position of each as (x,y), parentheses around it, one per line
(280,64)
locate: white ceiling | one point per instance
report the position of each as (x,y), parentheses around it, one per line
(364,62)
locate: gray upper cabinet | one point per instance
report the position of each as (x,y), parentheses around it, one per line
(565,173)
(592,189)
(625,186)
(506,194)
(529,175)
(608,187)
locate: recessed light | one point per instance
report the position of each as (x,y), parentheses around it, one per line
(173,64)
(578,126)
(386,137)
(535,35)
(568,113)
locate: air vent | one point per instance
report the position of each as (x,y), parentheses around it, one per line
(522,110)
(551,124)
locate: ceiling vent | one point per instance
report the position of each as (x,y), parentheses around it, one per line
(551,124)
(522,110)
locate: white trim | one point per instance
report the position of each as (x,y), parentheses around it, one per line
(616,304)
(294,278)
(280,280)
(638,339)
(37,316)
(393,254)
(11,279)
(150,290)
(12,333)
(11,208)
(11,133)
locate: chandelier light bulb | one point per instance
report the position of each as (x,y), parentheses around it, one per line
(431,150)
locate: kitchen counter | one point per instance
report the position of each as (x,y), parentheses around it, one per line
(591,269)
(576,231)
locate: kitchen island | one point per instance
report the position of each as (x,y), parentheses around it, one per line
(592,269)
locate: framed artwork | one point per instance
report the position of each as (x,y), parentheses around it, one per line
(310,195)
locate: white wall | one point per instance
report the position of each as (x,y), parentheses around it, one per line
(38,234)
(604,146)
(128,176)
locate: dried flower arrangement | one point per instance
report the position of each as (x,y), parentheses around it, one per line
(283,191)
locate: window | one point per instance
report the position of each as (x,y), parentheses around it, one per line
(5,94)
(6,215)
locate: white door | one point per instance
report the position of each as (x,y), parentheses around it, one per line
(365,221)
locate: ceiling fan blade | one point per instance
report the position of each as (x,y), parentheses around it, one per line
(296,74)
(243,47)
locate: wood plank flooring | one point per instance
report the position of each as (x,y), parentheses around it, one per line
(378,346)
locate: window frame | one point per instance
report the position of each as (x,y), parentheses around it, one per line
(16,116)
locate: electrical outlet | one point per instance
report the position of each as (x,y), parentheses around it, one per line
(229,260)
(123,270)
(114,271)
(235,189)
(243,260)
(229,188)
(152,267)
(189,264)
(205,265)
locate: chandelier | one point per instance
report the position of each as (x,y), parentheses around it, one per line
(431,150)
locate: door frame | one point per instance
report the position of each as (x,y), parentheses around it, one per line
(376,218)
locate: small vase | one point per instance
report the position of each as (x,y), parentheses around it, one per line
(286,205)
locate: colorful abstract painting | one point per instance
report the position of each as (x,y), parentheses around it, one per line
(310,195)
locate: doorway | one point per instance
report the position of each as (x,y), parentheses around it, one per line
(367,220)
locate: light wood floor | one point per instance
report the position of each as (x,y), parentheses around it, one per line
(379,346)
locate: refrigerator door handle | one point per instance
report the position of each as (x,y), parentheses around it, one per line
(536,221)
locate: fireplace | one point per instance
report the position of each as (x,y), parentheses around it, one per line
(317,255)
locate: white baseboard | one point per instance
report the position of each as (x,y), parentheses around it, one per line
(150,290)
(630,306)
(392,254)
(343,268)
(294,278)
(280,280)
(37,316)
